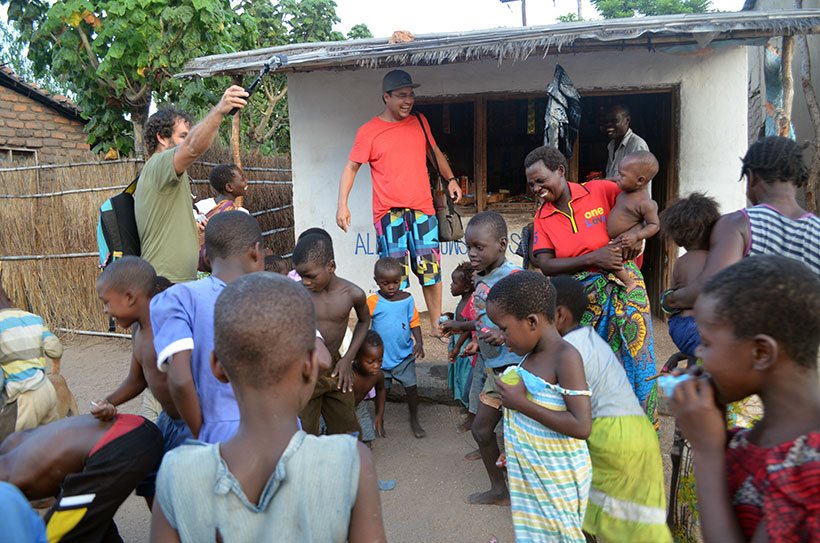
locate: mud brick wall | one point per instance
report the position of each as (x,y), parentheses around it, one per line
(28,124)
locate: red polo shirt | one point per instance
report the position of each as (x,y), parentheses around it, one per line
(581,231)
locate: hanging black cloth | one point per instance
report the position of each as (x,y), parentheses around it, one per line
(563,116)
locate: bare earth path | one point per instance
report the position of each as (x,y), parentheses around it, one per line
(432,479)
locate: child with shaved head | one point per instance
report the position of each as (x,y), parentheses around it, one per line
(126,288)
(182,318)
(271,477)
(634,216)
(334,298)
(394,316)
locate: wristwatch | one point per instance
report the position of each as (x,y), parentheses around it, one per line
(453,179)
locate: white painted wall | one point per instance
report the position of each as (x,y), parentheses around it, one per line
(327,107)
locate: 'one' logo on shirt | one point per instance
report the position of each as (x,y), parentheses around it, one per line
(594,216)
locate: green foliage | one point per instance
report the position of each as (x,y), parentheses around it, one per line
(569,18)
(13,54)
(116,54)
(310,20)
(359,32)
(265,122)
(613,9)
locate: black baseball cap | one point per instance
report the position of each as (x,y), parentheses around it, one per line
(397,79)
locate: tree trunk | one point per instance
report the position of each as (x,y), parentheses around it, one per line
(786,57)
(139,115)
(813,186)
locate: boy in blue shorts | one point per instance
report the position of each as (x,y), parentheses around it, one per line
(395,318)
(183,321)
(688,222)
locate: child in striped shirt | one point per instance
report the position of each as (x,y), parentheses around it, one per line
(25,342)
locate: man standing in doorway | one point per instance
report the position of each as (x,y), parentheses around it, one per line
(163,204)
(624,140)
(394,145)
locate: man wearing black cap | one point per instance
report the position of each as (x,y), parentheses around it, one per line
(394,145)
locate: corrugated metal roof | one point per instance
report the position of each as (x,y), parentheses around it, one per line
(519,43)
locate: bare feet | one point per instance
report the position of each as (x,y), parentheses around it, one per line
(418,431)
(471,456)
(491,497)
(465,426)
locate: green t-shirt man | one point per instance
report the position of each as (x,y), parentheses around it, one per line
(165,220)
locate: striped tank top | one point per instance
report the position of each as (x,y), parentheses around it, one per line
(771,233)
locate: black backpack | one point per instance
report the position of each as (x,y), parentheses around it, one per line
(117,233)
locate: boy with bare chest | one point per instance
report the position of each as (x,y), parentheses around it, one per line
(634,216)
(126,288)
(333,299)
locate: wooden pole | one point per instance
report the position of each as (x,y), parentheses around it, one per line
(235,139)
(813,185)
(786,56)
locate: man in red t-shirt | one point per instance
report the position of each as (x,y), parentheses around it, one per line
(394,145)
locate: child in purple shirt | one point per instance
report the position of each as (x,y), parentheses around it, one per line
(183,322)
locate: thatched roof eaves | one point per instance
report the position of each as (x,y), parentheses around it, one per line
(518,43)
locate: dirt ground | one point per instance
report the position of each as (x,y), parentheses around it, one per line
(432,479)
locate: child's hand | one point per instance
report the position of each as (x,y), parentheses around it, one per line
(698,415)
(471,349)
(447,328)
(452,355)
(379,424)
(493,336)
(512,396)
(627,239)
(418,350)
(103,410)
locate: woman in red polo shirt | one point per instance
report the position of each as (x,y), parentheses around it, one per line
(570,238)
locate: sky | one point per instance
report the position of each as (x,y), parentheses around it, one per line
(432,16)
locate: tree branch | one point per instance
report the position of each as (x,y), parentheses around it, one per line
(87,46)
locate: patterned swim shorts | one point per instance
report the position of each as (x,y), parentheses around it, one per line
(411,237)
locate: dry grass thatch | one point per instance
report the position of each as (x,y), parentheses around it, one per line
(62,289)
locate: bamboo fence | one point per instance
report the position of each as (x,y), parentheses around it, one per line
(48,222)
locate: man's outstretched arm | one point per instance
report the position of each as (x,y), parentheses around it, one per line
(201,136)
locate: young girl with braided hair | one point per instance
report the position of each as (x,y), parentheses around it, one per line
(775,169)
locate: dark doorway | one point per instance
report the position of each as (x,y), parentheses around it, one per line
(486,138)
(653,117)
(452,127)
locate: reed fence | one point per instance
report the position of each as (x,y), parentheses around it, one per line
(48,223)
